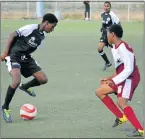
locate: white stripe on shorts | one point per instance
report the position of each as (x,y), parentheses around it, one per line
(11,65)
(36,63)
(127,89)
(8,63)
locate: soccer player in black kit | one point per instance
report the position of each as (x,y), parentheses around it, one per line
(17,56)
(108,18)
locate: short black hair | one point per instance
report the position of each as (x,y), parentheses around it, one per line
(117,29)
(51,18)
(108,3)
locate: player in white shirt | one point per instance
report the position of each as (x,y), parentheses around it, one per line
(123,82)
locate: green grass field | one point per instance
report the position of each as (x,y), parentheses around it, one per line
(67,105)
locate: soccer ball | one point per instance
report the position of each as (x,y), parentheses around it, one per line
(28,112)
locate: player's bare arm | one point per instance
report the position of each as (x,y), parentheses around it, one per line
(10,40)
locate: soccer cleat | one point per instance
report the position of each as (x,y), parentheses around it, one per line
(136,133)
(107,66)
(120,121)
(28,91)
(7,116)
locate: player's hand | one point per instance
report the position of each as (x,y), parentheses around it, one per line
(3,56)
(104,81)
(110,83)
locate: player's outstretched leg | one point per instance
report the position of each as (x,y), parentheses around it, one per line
(101,93)
(28,90)
(131,116)
(119,121)
(39,79)
(16,78)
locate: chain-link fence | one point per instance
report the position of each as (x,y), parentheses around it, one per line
(126,11)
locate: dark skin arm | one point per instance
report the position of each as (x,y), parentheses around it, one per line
(10,41)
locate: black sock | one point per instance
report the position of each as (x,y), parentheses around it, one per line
(31,83)
(104,56)
(8,98)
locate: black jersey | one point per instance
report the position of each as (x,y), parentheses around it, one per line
(109,19)
(28,39)
(87,4)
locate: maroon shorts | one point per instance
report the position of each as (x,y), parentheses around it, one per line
(126,89)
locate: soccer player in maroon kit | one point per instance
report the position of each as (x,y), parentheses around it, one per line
(123,82)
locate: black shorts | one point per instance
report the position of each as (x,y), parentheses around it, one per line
(28,66)
(104,40)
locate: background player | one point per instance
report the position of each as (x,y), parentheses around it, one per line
(123,82)
(108,18)
(21,44)
(87,10)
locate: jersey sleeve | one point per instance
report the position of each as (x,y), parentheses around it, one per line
(26,30)
(114,18)
(128,60)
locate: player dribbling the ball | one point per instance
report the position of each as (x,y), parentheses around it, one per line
(124,81)
(17,56)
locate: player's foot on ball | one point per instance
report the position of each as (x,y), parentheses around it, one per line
(136,133)
(119,121)
(7,116)
(107,66)
(28,91)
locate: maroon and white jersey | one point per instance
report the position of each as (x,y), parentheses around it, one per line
(125,62)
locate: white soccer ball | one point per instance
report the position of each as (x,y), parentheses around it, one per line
(28,111)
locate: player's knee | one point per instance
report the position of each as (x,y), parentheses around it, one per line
(15,83)
(98,92)
(41,77)
(43,80)
(100,49)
